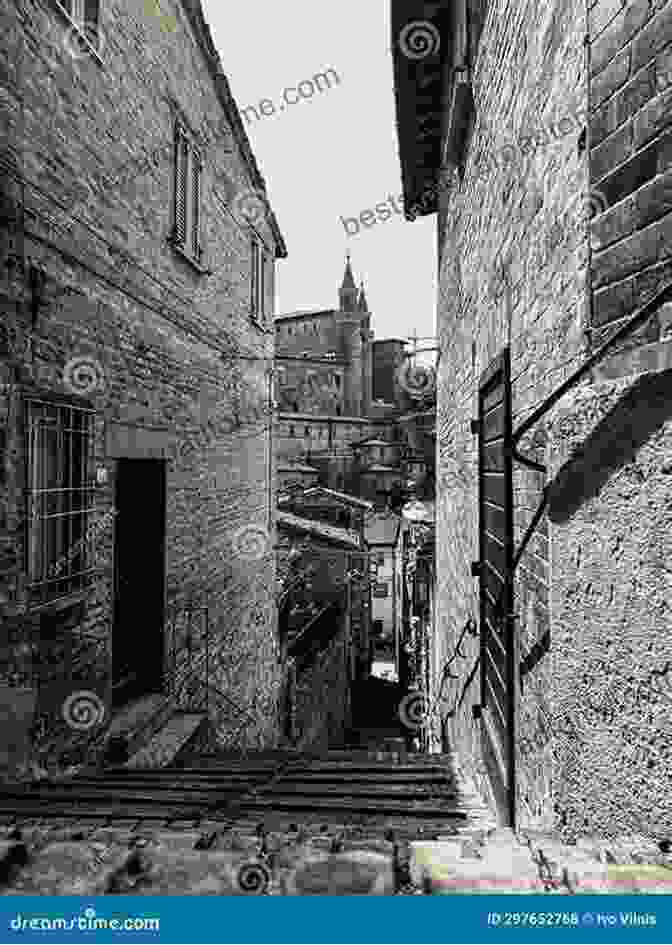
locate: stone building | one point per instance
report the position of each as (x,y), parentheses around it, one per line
(324,613)
(540,135)
(336,386)
(325,359)
(136,297)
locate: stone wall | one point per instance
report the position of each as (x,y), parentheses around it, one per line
(327,439)
(609,450)
(517,260)
(322,707)
(95,143)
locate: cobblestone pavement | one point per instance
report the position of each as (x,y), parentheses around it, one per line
(337,826)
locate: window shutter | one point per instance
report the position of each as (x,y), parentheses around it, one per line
(180,187)
(91,19)
(262,286)
(196,171)
(255,276)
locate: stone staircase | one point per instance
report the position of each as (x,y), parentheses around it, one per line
(274,822)
(283,823)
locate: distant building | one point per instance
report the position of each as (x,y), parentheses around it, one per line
(335,386)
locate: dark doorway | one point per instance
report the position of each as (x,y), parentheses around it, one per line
(139,568)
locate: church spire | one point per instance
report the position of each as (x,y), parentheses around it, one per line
(347,294)
(362,305)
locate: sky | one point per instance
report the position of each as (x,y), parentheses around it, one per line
(331,155)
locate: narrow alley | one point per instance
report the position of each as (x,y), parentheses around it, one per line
(334,556)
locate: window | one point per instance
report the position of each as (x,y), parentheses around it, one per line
(86,15)
(59,498)
(258,281)
(188,186)
(381,558)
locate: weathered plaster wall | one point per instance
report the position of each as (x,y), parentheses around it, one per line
(593,721)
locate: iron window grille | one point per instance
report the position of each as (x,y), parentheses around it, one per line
(60,498)
(188,189)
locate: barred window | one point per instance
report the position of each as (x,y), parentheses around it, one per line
(60,498)
(188,187)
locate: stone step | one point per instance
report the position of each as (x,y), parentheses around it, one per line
(316,776)
(83,793)
(342,803)
(380,770)
(378,790)
(163,747)
(138,722)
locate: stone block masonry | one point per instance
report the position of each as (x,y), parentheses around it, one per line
(549,261)
(177,366)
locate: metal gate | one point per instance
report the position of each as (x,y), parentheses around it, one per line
(495,572)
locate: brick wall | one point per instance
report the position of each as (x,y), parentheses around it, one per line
(517,265)
(165,335)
